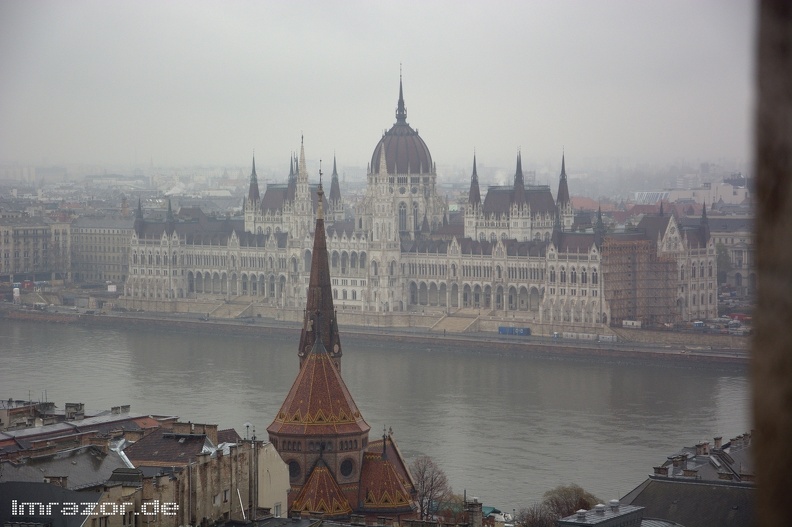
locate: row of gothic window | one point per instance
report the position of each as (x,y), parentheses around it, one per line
(693,271)
(573,276)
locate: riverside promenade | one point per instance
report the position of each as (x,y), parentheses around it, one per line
(680,348)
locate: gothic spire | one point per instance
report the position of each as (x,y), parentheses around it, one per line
(253,192)
(474,196)
(519,182)
(401,111)
(320,296)
(335,188)
(563,189)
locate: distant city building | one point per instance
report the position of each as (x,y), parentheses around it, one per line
(101,249)
(34,249)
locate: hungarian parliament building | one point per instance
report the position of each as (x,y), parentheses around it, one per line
(514,252)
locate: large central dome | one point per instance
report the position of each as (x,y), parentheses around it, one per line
(405,151)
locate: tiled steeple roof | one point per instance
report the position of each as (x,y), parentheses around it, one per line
(319,403)
(322,495)
(320,295)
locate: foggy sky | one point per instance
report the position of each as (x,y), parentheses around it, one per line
(206,83)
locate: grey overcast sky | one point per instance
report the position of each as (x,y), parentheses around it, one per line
(206,83)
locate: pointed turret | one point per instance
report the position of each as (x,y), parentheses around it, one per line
(320,295)
(253,191)
(335,189)
(562,198)
(519,182)
(474,196)
(425,226)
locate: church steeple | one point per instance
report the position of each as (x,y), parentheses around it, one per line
(253,192)
(320,295)
(401,111)
(474,196)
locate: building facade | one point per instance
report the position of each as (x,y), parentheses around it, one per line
(517,251)
(101,249)
(34,249)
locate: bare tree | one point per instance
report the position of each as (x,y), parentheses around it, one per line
(559,502)
(431,485)
(537,515)
(567,499)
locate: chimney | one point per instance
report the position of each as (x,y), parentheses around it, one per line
(581,515)
(718,442)
(599,508)
(661,471)
(614,505)
(475,516)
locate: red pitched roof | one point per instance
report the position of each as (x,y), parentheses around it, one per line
(321,494)
(382,489)
(319,402)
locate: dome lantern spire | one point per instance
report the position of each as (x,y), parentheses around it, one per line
(401,111)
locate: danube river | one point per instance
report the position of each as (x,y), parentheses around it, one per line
(505,427)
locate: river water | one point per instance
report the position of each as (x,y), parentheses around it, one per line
(504,426)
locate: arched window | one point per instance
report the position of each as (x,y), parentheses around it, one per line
(682,273)
(552,275)
(709,271)
(594,277)
(563,275)
(693,271)
(416,225)
(583,276)
(573,276)
(402,216)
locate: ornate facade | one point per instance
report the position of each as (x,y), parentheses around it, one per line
(516,252)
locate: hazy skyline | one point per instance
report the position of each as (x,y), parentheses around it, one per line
(191,83)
